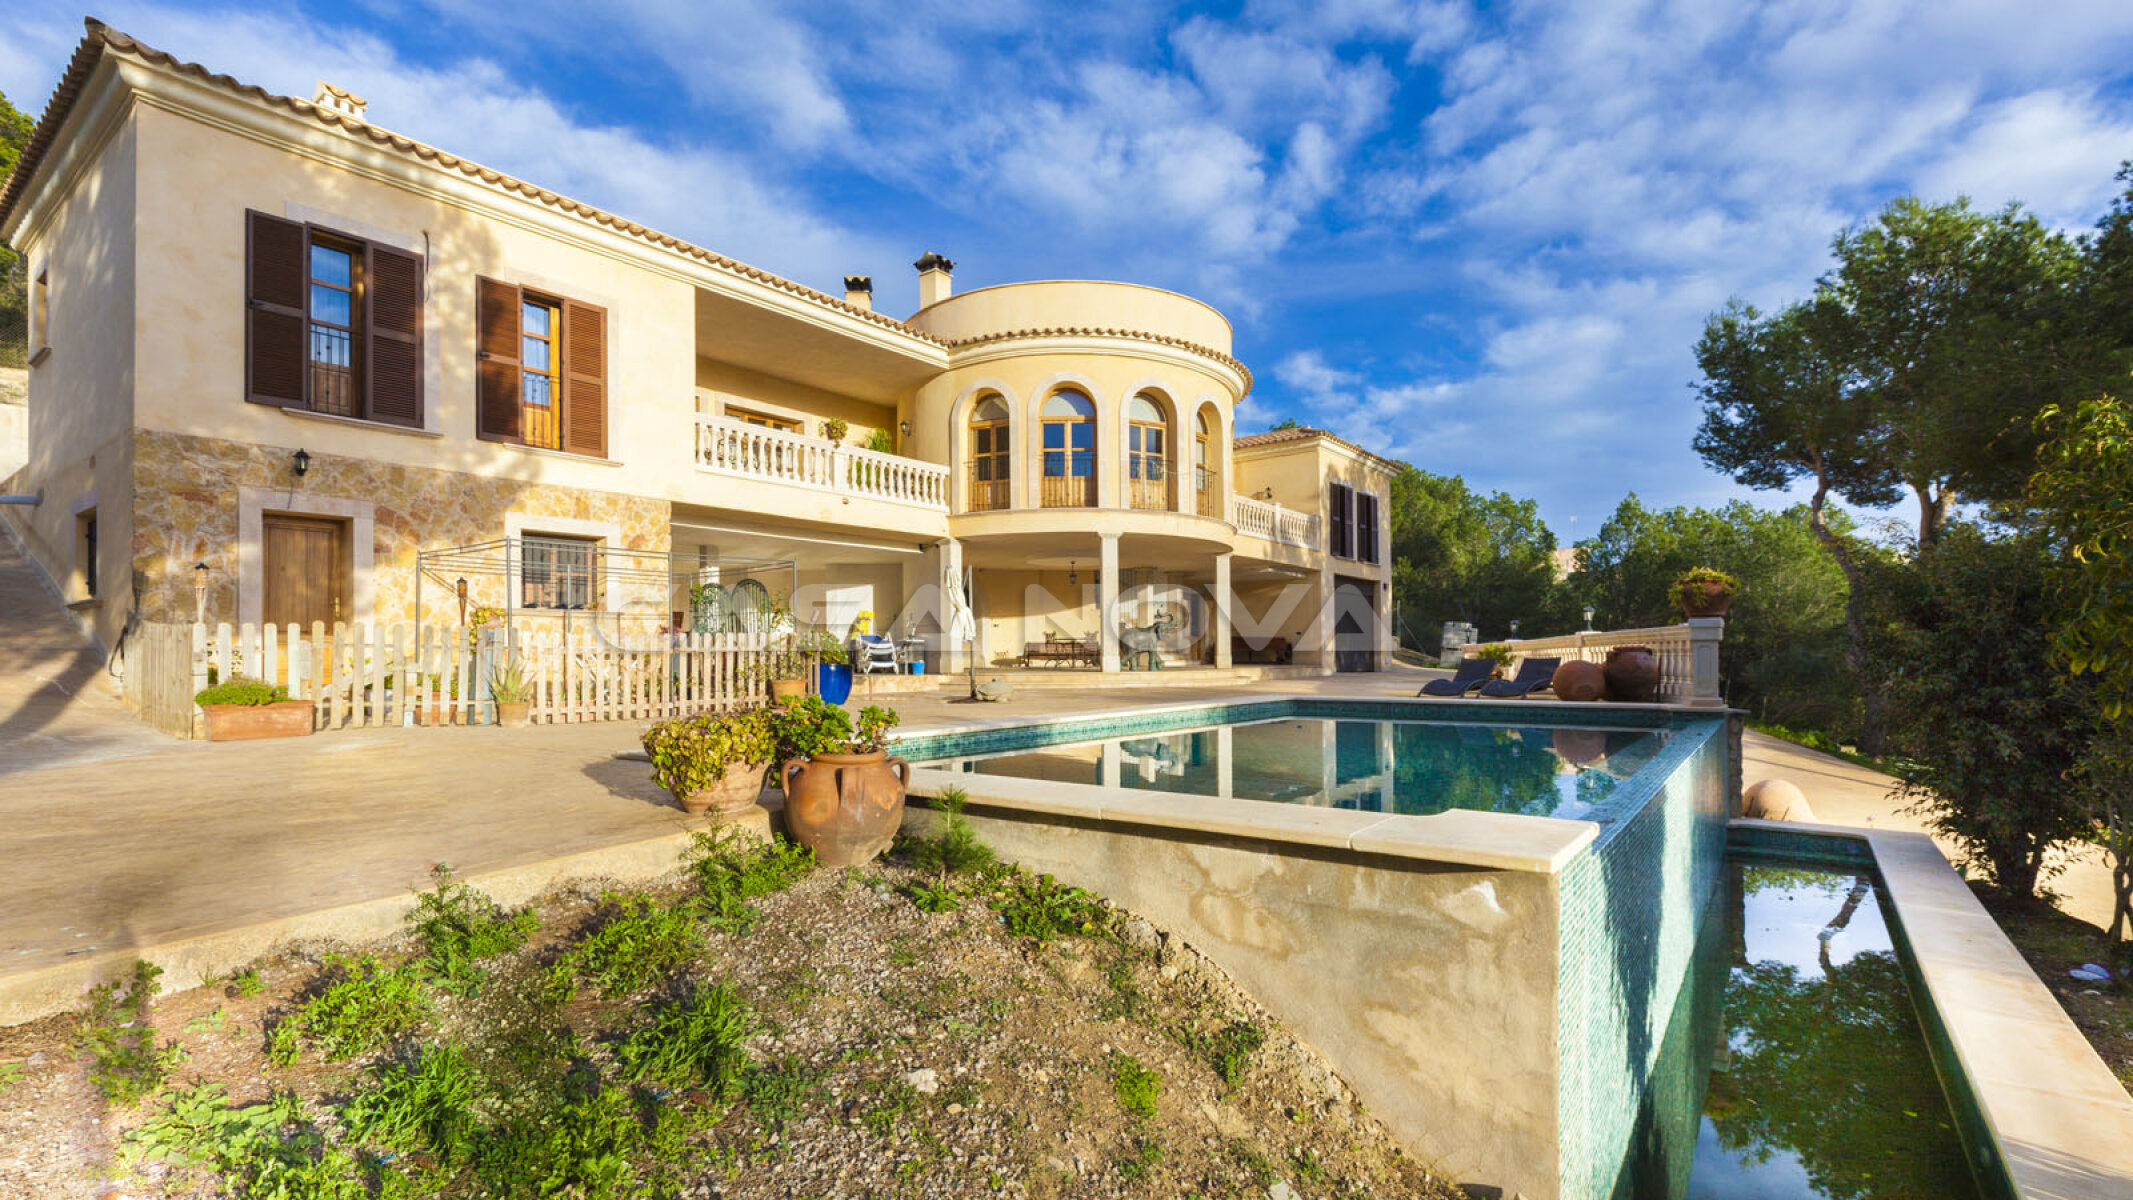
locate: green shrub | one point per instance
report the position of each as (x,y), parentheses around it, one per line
(508,684)
(731,870)
(931,897)
(692,753)
(1042,908)
(640,939)
(956,848)
(260,1150)
(578,1143)
(809,725)
(115,1032)
(240,690)
(1136,1087)
(695,1043)
(1495,652)
(459,927)
(364,1008)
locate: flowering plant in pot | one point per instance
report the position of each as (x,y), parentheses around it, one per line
(241,709)
(1703,592)
(712,762)
(835,428)
(512,694)
(1495,652)
(844,796)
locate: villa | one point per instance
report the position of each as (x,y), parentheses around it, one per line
(291,368)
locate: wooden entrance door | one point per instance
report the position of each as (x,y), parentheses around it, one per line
(306,571)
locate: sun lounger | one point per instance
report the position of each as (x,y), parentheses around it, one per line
(1534,674)
(1471,674)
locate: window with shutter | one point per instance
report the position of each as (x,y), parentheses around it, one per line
(542,374)
(498,322)
(1341,499)
(333,323)
(1366,528)
(584,379)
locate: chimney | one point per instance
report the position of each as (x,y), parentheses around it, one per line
(340,100)
(859,291)
(935,279)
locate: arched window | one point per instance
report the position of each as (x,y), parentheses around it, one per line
(989,471)
(1203,464)
(1069,450)
(1147,462)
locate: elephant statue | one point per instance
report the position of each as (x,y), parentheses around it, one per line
(1140,645)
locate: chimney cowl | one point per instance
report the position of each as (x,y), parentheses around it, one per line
(936,279)
(933,262)
(340,100)
(859,291)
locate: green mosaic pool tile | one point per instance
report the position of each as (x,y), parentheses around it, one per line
(1802,847)
(1630,909)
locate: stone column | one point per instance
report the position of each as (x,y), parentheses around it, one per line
(1218,621)
(1107,603)
(1704,636)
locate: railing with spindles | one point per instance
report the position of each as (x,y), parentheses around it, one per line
(725,446)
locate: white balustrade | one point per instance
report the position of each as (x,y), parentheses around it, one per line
(728,447)
(1283,526)
(1687,653)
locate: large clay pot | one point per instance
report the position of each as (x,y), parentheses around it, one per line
(734,792)
(844,807)
(1632,674)
(1578,680)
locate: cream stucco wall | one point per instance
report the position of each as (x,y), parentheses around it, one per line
(1075,304)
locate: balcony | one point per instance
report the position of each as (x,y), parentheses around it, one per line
(1150,493)
(1282,526)
(744,451)
(990,489)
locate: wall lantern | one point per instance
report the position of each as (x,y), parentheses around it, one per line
(460,587)
(904,428)
(303,462)
(1073,577)
(1588,618)
(200,592)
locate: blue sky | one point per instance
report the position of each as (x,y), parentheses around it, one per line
(1479,238)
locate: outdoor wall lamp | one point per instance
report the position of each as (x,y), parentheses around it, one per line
(1588,618)
(460,587)
(303,462)
(1073,578)
(1514,629)
(200,592)
(904,428)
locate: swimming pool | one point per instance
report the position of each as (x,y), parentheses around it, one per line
(1407,767)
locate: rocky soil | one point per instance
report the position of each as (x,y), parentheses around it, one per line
(896,1053)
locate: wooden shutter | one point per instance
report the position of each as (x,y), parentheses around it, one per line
(393,335)
(275,279)
(584,379)
(496,334)
(1343,505)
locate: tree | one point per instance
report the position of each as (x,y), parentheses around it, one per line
(1461,555)
(1990,729)
(1785,654)
(2083,490)
(14,303)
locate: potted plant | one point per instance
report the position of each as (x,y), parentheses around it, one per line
(781,662)
(1703,592)
(844,796)
(1495,652)
(508,687)
(833,672)
(712,763)
(835,428)
(241,709)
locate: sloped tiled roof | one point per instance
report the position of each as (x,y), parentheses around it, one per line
(100,38)
(1305,433)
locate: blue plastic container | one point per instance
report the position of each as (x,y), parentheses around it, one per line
(834,681)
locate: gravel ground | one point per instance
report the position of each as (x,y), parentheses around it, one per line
(935,1055)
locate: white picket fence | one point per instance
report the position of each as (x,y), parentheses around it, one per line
(401,674)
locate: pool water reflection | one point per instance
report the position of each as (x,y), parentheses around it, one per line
(1794,1065)
(1409,767)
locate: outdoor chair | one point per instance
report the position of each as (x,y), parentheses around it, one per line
(1534,674)
(1471,674)
(876,653)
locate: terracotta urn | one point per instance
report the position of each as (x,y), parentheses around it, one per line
(1578,680)
(245,722)
(734,792)
(512,714)
(844,807)
(1706,600)
(1632,674)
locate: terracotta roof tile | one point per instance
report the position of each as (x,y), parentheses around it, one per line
(100,38)
(1302,433)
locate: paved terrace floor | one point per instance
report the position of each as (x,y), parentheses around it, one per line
(118,838)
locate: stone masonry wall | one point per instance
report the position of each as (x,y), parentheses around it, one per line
(185,509)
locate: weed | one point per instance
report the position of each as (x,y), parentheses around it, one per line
(731,871)
(956,848)
(1228,1050)
(364,1007)
(577,1143)
(801,986)
(894,1103)
(639,940)
(696,1042)
(1308,1168)
(1126,998)
(459,927)
(1042,908)
(778,1095)
(1147,1153)
(1135,1086)
(931,897)
(10,1075)
(427,1104)
(266,1149)
(1254,1163)
(116,1034)
(247,982)
(966,1091)
(208,1022)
